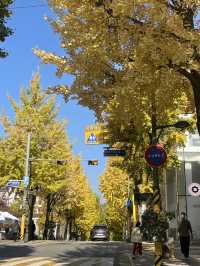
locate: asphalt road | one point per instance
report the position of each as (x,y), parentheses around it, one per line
(57,253)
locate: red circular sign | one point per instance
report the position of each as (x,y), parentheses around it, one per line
(155,155)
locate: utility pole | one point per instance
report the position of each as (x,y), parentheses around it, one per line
(185,183)
(25,199)
(157,206)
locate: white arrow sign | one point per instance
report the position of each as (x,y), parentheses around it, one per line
(194,189)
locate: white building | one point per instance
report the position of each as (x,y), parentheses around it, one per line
(177,181)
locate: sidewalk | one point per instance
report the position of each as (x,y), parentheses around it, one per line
(147,259)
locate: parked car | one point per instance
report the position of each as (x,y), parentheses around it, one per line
(100,232)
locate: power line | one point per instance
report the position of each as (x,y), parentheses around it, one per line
(29,6)
(25,7)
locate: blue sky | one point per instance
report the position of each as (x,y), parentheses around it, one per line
(31,30)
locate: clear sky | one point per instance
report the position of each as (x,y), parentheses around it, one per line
(31,30)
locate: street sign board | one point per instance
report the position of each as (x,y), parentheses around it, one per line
(194,189)
(13,183)
(95,134)
(114,152)
(155,155)
(26,181)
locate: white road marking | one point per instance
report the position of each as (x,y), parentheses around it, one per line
(18,261)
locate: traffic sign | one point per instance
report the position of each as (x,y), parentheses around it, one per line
(26,181)
(13,183)
(114,152)
(194,189)
(96,134)
(155,155)
(93,162)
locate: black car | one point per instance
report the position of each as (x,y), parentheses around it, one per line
(99,232)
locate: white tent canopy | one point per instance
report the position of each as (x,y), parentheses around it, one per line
(7,217)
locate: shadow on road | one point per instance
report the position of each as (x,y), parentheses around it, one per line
(14,251)
(96,249)
(191,261)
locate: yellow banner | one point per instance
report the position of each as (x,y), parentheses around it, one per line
(95,134)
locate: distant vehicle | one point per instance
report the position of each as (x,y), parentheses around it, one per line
(100,232)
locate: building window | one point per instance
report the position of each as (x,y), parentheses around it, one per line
(195,172)
(196,142)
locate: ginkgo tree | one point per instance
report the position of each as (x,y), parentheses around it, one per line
(110,64)
(78,205)
(131,65)
(37,113)
(114,188)
(5,31)
(103,56)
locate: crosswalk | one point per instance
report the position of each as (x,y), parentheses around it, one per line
(47,261)
(32,261)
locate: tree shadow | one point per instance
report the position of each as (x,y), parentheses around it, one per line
(14,251)
(86,250)
(188,261)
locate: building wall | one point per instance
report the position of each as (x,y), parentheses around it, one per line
(178,180)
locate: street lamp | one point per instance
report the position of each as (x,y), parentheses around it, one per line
(182,124)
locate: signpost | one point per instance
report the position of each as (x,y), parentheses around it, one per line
(26,181)
(155,155)
(14,183)
(194,189)
(114,152)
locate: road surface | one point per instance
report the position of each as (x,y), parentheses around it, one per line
(57,253)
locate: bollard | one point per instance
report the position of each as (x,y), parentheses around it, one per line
(22,228)
(171,247)
(158,254)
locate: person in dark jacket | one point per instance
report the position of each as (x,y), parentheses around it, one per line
(33,227)
(185,233)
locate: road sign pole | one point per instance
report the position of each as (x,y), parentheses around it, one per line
(25,204)
(156,185)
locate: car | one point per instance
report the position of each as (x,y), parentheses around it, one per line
(100,232)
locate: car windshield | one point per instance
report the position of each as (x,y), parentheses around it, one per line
(100,227)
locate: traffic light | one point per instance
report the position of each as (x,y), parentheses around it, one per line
(61,162)
(93,162)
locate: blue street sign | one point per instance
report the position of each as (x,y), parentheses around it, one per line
(13,183)
(26,180)
(129,203)
(114,152)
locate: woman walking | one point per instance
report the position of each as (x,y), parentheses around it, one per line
(136,239)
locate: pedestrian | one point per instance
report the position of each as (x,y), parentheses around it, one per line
(16,230)
(185,233)
(136,239)
(33,227)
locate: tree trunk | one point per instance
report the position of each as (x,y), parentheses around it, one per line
(194,77)
(66,232)
(195,81)
(31,204)
(48,211)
